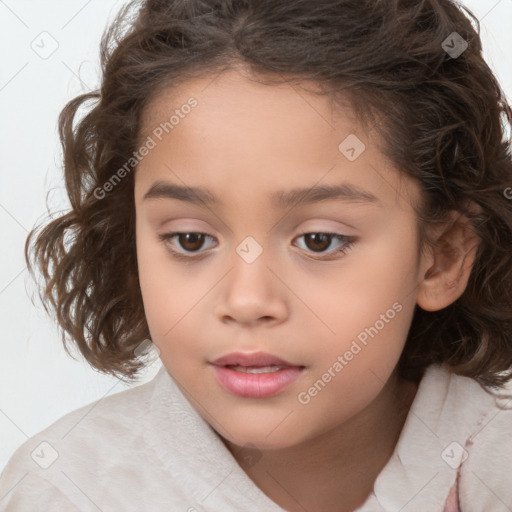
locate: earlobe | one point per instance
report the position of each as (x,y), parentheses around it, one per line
(449,264)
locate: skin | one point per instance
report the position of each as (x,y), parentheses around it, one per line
(243,141)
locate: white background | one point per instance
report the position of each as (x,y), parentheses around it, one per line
(39,382)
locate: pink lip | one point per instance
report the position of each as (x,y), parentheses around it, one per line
(251,359)
(254,385)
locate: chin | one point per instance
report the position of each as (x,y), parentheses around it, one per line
(261,438)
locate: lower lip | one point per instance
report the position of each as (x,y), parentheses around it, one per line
(255,385)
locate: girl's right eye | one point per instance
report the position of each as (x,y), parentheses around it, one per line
(193,241)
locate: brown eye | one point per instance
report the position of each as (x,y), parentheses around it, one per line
(186,242)
(190,241)
(317,241)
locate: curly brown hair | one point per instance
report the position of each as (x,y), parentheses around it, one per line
(443,123)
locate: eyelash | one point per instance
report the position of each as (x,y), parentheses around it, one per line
(165,237)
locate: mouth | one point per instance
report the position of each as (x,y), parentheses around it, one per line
(254,375)
(256,369)
(253,359)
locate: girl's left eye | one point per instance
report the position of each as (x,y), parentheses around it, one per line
(192,241)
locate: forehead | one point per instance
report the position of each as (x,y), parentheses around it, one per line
(244,129)
(264,93)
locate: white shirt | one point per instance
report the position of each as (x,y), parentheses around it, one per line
(146,449)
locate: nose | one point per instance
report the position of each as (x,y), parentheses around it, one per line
(252,293)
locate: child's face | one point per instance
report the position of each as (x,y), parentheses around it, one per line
(342,318)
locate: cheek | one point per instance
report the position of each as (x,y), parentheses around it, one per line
(157,288)
(351,368)
(170,293)
(366,311)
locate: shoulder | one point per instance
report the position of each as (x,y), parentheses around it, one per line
(485,481)
(91,437)
(456,444)
(475,424)
(33,493)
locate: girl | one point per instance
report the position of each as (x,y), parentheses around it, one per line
(304,207)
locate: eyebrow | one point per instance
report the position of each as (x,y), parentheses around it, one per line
(280,199)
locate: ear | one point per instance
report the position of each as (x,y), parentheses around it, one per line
(446,269)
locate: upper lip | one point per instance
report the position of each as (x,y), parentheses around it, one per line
(251,359)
